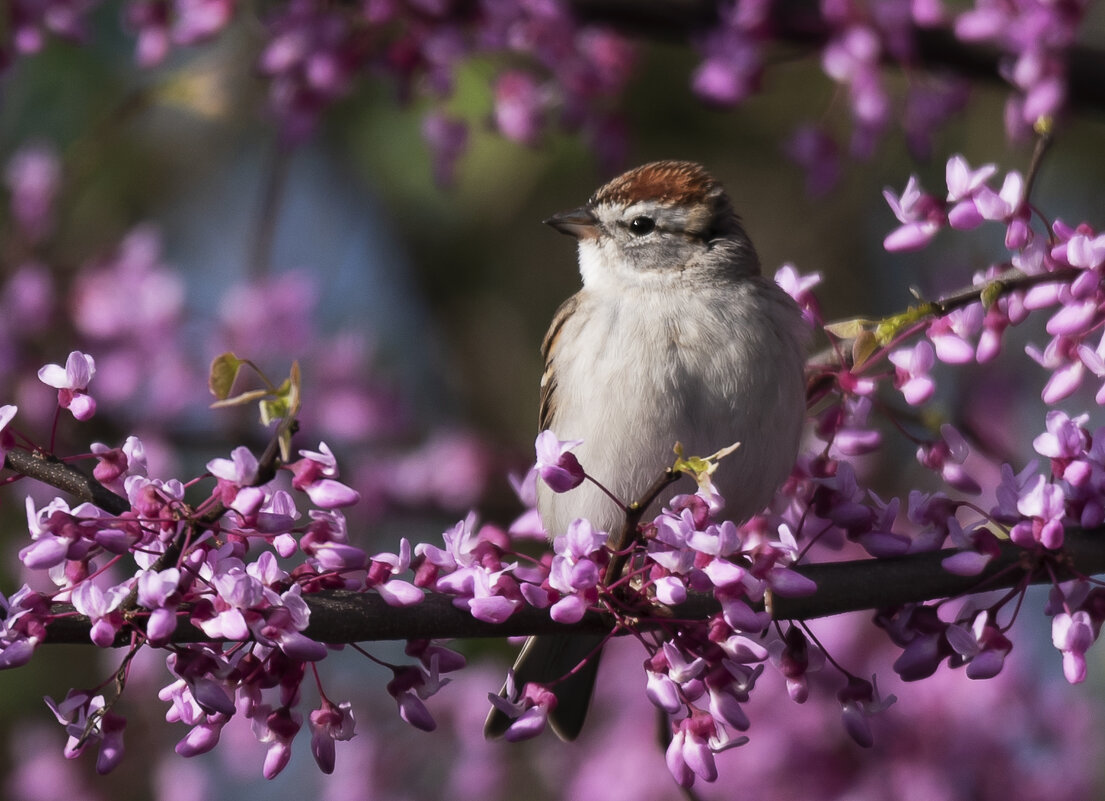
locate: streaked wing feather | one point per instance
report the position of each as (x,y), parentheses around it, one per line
(548,354)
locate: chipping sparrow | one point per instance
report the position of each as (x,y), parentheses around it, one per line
(674,337)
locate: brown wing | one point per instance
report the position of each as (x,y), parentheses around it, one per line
(548,354)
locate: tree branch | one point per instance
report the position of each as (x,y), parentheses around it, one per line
(341,616)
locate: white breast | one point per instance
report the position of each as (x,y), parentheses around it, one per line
(638,371)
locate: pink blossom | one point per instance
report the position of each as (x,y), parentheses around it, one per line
(330,723)
(277,728)
(315,474)
(953,333)
(963,182)
(1066,436)
(1073,634)
(528,711)
(100,606)
(947,456)
(86,721)
(71,382)
(912,374)
(196,20)
(921,215)
(860,700)
(556,465)
(689,754)
(1043,504)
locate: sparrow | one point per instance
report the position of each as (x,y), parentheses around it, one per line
(675,337)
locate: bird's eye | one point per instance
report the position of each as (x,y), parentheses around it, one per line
(642,225)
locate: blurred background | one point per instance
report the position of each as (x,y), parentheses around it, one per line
(184,224)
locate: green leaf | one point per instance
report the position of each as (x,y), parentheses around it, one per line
(224,371)
(864,345)
(273,409)
(850,329)
(700,467)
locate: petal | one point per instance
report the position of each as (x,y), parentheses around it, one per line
(53,375)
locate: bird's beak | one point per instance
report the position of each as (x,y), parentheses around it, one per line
(580,223)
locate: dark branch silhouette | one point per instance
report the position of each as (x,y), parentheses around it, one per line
(863,584)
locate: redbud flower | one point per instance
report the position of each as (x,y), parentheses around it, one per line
(1044,504)
(859,701)
(921,215)
(408,687)
(1082,250)
(963,185)
(329,723)
(71,382)
(1066,436)
(20,632)
(574,602)
(315,474)
(202,737)
(100,606)
(951,335)
(278,728)
(200,19)
(86,722)
(1073,634)
(529,711)
(558,468)
(800,288)
(947,455)
(689,754)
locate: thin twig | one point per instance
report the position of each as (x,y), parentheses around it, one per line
(63,476)
(625,546)
(1011,280)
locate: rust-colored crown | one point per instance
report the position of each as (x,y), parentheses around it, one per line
(682,183)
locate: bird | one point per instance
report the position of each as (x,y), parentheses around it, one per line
(676,336)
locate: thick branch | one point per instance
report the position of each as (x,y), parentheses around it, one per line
(865,584)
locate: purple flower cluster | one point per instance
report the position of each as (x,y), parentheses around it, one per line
(698,673)
(561,73)
(158,25)
(139,575)
(864,42)
(30,22)
(1061,269)
(704,673)
(212,561)
(551,70)
(1036,36)
(311,58)
(1057,271)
